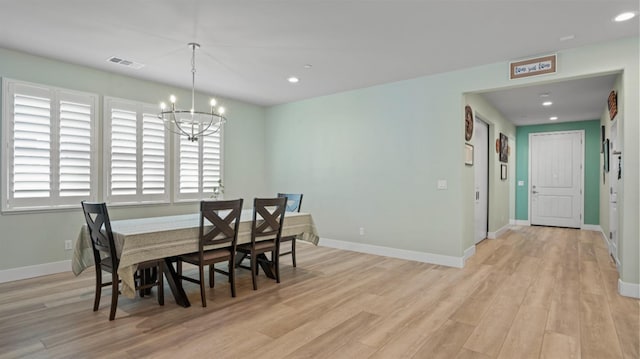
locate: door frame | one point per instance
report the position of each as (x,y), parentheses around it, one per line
(581,181)
(488,181)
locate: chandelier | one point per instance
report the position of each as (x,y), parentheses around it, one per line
(192,123)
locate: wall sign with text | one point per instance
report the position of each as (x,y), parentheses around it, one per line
(532,67)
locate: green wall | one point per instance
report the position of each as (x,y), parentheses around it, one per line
(591,166)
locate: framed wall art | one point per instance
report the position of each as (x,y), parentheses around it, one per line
(504,148)
(468,154)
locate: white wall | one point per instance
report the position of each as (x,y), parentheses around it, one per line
(37,238)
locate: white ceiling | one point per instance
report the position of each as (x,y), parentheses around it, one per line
(249,48)
(574,100)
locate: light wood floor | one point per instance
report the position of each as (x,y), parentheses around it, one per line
(534,293)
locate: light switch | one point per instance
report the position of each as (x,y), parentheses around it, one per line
(442,184)
(520,183)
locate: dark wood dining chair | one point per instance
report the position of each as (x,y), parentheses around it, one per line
(266,230)
(219,221)
(294,202)
(106,258)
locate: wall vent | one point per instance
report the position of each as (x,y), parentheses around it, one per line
(127,63)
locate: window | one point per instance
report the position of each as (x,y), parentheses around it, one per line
(135,153)
(199,166)
(49,141)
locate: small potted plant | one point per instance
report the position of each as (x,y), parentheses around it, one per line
(218,190)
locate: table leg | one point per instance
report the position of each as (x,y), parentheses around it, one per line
(266,265)
(175,283)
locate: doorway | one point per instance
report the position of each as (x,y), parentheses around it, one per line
(481,179)
(556,176)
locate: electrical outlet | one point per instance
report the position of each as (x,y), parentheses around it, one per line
(362,231)
(68,245)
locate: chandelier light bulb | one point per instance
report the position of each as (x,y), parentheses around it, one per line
(172,99)
(213,102)
(221,110)
(163,106)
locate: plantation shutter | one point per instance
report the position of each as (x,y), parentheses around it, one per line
(31,144)
(123,152)
(75,148)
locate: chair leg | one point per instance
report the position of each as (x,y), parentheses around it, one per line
(293,251)
(202,294)
(232,276)
(276,265)
(211,275)
(143,279)
(96,300)
(160,283)
(254,270)
(114,295)
(179,267)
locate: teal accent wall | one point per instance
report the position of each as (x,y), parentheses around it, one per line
(591,166)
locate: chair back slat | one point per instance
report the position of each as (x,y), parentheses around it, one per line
(97,217)
(219,221)
(268,214)
(294,201)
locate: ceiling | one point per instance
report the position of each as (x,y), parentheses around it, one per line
(249,48)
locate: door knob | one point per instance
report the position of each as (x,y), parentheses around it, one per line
(534,192)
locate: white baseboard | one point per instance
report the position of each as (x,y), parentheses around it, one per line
(522,222)
(499,232)
(629,289)
(10,275)
(424,257)
(591,227)
(468,253)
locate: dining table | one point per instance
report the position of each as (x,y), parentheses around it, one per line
(143,239)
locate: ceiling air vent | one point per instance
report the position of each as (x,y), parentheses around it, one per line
(123,62)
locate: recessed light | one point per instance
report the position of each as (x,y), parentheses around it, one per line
(625,16)
(293,80)
(544,94)
(568,37)
(547,103)
(307,66)
(553,118)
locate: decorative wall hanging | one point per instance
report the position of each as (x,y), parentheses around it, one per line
(532,67)
(504,148)
(612,103)
(468,123)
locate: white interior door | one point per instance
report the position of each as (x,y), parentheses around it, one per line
(556,178)
(614,166)
(481,174)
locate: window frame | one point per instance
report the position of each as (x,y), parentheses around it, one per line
(55,95)
(201,194)
(139,198)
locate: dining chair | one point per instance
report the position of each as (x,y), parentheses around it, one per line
(106,258)
(294,202)
(266,230)
(219,221)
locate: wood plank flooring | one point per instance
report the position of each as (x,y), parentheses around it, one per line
(533,293)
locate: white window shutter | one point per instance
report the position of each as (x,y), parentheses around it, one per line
(49,137)
(153,154)
(189,166)
(31,146)
(123,152)
(75,149)
(199,167)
